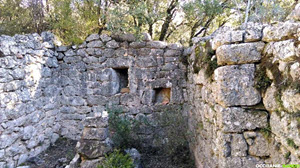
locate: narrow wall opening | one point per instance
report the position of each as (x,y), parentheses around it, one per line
(162,96)
(124,81)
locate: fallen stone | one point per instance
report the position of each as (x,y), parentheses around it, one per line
(91,163)
(136,157)
(92,149)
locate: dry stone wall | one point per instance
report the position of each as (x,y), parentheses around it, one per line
(243,88)
(47,91)
(241,93)
(29,93)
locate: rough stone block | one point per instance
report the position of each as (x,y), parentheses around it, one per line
(112,44)
(281,31)
(156,44)
(260,146)
(91,149)
(269,99)
(236,119)
(284,50)
(92,37)
(137,44)
(291,100)
(235,85)
(227,37)
(105,37)
(239,53)
(146,62)
(175,46)
(91,163)
(252,35)
(95,44)
(238,146)
(96,122)
(95,133)
(172,53)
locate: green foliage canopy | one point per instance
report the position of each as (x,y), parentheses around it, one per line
(165,20)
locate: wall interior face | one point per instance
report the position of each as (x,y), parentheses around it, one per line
(240,91)
(47,91)
(245,111)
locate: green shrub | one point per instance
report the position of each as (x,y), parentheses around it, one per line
(120,127)
(117,159)
(204,60)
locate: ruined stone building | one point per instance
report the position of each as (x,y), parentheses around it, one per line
(239,90)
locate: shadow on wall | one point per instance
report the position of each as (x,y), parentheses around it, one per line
(29,94)
(47,91)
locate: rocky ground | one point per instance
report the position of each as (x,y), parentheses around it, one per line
(56,156)
(152,161)
(61,153)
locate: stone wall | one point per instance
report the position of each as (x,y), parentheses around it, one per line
(118,73)
(243,88)
(47,90)
(29,90)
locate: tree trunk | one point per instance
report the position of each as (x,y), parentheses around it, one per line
(168,20)
(247,11)
(192,35)
(150,30)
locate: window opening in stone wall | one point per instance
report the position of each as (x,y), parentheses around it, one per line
(124,82)
(162,96)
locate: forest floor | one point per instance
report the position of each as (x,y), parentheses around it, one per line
(152,161)
(62,152)
(56,156)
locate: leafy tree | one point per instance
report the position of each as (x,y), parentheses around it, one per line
(265,11)
(199,15)
(19,17)
(164,20)
(64,24)
(14,18)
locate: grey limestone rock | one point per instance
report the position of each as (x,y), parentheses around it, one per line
(280,31)
(235,85)
(95,44)
(260,146)
(238,146)
(136,156)
(156,44)
(112,44)
(227,37)
(92,149)
(92,37)
(239,53)
(237,119)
